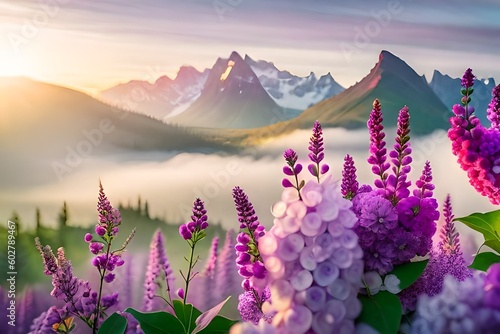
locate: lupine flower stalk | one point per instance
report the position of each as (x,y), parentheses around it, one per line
(350,185)
(158,272)
(397,185)
(393,227)
(292,169)
(445,259)
(106,260)
(249,260)
(193,232)
(226,276)
(378,152)
(316,154)
(80,300)
(476,147)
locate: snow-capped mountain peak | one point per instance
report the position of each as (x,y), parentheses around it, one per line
(290,91)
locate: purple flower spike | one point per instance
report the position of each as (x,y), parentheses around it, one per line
(446,259)
(378,151)
(397,186)
(249,261)
(193,231)
(158,266)
(468,79)
(350,185)
(493,110)
(424,185)
(316,148)
(292,169)
(290,157)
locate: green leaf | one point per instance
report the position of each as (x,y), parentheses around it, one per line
(483,261)
(114,324)
(187,315)
(409,272)
(208,316)
(218,325)
(488,224)
(157,322)
(382,312)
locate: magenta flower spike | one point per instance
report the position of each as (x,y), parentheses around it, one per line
(248,259)
(292,169)
(316,154)
(476,147)
(378,152)
(397,184)
(493,111)
(350,185)
(445,259)
(424,185)
(158,273)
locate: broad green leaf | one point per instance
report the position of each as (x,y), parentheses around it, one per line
(187,314)
(206,317)
(493,244)
(157,322)
(409,272)
(219,325)
(382,312)
(488,224)
(483,261)
(114,324)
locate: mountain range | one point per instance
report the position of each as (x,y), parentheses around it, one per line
(165,99)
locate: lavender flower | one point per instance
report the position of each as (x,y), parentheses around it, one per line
(350,184)
(314,262)
(292,169)
(316,154)
(493,111)
(226,277)
(194,230)
(445,259)
(378,152)
(424,184)
(250,305)
(249,261)
(461,307)
(157,272)
(209,269)
(397,185)
(393,226)
(468,79)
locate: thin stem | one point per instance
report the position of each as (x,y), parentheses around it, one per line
(98,306)
(188,277)
(297,183)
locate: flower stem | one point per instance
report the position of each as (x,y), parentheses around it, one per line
(98,306)
(188,276)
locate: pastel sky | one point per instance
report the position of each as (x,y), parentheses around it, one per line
(94,44)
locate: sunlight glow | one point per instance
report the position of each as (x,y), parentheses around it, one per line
(224,75)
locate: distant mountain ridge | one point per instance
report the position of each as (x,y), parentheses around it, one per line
(231,98)
(448,91)
(166,98)
(394,84)
(291,91)
(162,99)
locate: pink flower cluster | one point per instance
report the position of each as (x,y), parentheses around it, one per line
(314,261)
(476,147)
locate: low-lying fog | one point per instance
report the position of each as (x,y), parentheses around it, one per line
(171,184)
